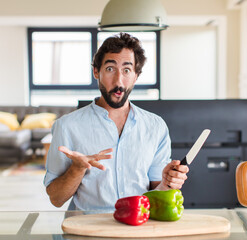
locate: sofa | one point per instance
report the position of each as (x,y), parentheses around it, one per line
(14,143)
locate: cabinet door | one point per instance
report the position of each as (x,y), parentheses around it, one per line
(211,179)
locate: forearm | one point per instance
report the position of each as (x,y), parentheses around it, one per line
(65,186)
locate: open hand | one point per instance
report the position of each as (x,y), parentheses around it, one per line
(87,161)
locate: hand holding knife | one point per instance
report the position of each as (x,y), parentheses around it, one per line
(187,160)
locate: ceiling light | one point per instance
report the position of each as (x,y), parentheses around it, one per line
(133,15)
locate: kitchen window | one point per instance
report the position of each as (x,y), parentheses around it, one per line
(60,65)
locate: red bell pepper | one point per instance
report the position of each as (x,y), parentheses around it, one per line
(132,210)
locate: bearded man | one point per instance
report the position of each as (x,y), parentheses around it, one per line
(111,148)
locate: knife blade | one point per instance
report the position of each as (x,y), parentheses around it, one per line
(196,147)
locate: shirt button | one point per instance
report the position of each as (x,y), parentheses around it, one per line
(121,193)
(119,169)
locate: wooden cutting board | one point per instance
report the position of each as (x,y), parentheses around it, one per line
(104,225)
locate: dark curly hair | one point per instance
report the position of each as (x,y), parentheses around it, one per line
(115,44)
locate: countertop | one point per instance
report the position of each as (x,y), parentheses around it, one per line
(47,225)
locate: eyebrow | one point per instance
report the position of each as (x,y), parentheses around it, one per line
(110,61)
(113,61)
(127,63)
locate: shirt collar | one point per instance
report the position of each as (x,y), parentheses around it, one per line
(104,112)
(133,111)
(99,109)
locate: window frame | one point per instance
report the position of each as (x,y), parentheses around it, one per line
(93,86)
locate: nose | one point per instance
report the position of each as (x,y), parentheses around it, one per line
(118,78)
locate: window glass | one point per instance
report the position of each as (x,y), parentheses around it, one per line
(61,58)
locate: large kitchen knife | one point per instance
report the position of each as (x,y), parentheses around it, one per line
(195,148)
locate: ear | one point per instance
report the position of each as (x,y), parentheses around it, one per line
(95,73)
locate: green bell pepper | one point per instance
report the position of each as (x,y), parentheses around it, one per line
(165,205)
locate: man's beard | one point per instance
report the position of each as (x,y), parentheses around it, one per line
(108,95)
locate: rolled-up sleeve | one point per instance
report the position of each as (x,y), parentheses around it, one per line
(57,162)
(163,154)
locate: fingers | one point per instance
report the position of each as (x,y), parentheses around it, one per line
(70,154)
(182,168)
(64,150)
(97,165)
(175,164)
(82,160)
(106,151)
(174,175)
(101,155)
(175,183)
(78,158)
(97,157)
(93,159)
(171,165)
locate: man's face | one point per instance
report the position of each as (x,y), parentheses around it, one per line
(117,77)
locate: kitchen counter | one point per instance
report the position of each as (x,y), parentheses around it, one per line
(47,225)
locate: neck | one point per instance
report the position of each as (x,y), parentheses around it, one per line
(124,110)
(118,115)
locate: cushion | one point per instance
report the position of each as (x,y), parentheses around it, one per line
(39,120)
(47,139)
(15,138)
(39,133)
(4,128)
(10,120)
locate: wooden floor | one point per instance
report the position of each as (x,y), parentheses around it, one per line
(25,193)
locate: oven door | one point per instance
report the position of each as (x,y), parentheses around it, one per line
(211,179)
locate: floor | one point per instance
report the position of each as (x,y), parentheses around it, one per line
(25,193)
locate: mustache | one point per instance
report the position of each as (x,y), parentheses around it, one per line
(116,89)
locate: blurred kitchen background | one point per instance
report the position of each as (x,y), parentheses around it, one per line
(196,72)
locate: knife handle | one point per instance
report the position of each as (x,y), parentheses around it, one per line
(184,161)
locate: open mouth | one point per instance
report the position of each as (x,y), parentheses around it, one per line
(118,93)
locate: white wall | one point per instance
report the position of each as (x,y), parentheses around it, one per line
(189,63)
(13,66)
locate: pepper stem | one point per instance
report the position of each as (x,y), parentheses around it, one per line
(143,209)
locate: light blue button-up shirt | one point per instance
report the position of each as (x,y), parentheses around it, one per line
(139,154)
